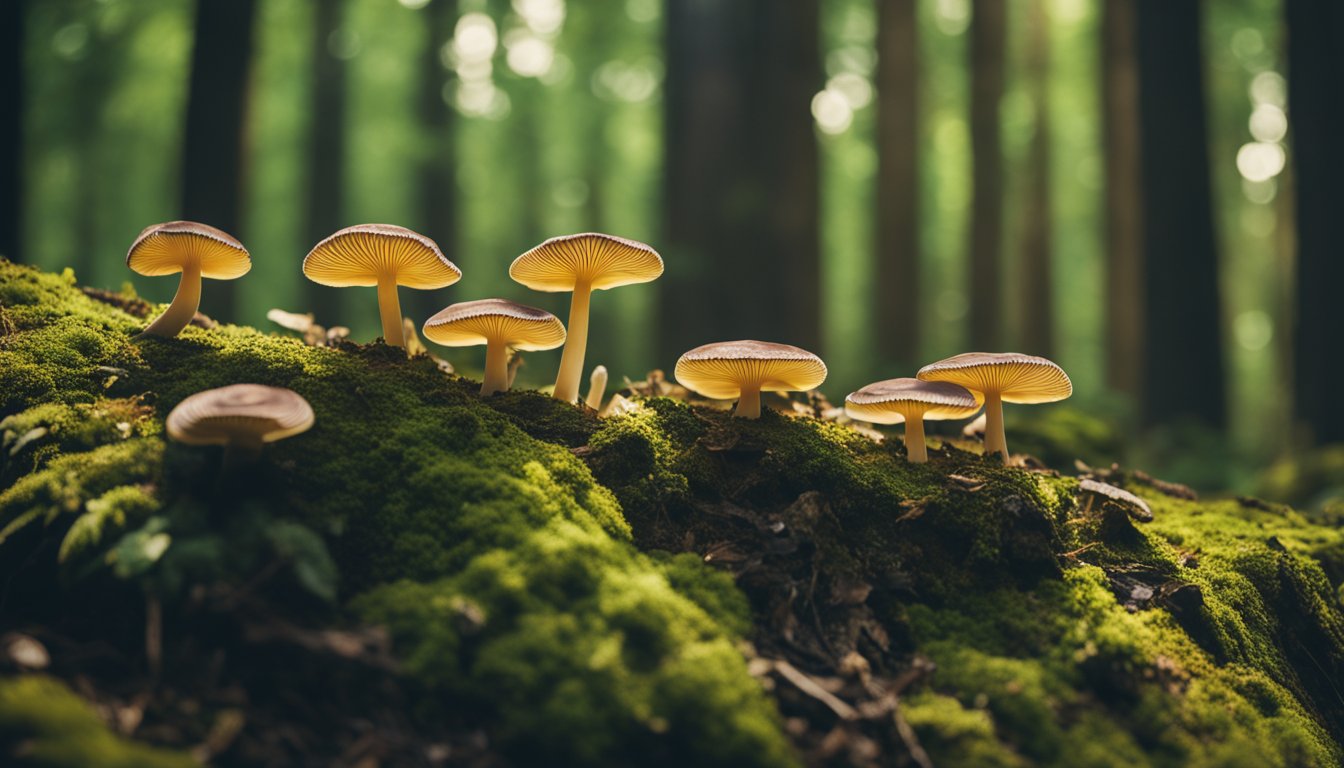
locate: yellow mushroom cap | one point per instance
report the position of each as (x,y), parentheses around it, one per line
(469,323)
(240,412)
(164,249)
(1016,377)
(720,370)
(359,255)
(603,261)
(894,400)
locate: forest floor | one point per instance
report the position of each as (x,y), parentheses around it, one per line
(432,578)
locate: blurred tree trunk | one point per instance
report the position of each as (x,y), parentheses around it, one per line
(213,147)
(742,238)
(1124,222)
(898,251)
(436,178)
(1183,364)
(1036,270)
(1316,115)
(986,242)
(11,128)
(325,212)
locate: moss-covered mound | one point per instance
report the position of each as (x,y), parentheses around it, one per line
(429,578)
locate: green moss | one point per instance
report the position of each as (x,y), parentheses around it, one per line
(44,725)
(424,494)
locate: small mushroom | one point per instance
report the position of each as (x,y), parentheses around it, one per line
(597,388)
(386,256)
(582,264)
(911,401)
(196,251)
(1134,506)
(742,369)
(500,325)
(999,377)
(241,417)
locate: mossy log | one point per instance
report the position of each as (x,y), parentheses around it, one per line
(428,577)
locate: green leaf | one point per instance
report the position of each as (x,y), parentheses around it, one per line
(313,565)
(138,551)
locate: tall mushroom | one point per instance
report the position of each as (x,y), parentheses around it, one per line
(742,369)
(500,325)
(241,417)
(193,249)
(582,264)
(386,256)
(1000,377)
(911,401)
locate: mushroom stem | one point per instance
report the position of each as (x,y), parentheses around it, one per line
(496,367)
(389,306)
(576,346)
(915,449)
(597,388)
(995,440)
(184,306)
(749,403)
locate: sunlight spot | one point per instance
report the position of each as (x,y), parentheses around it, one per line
(529,56)
(543,17)
(1253,329)
(1247,42)
(1260,192)
(475,70)
(1260,161)
(859,59)
(1269,88)
(856,89)
(69,41)
(1070,11)
(618,81)
(1268,123)
(952,16)
(832,111)
(482,99)
(475,38)
(414,5)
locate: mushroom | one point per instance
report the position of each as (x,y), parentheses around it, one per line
(912,401)
(241,417)
(582,264)
(1134,506)
(741,369)
(597,388)
(999,377)
(500,325)
(197,251)
(386,256)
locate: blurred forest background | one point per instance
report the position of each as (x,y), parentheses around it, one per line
(1142,190)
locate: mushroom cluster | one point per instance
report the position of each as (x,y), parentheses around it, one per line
(390,257)
(955,388)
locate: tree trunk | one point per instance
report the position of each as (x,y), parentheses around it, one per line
(897,288)
(1036,270)
(435,179)
(213,147)
(325,201)
(1316,115)
(742,238)
(1124,222)
(1183,363)
(987,64)
(11,129)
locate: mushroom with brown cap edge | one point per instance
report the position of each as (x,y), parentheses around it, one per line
(581,264)
(196,251)
(384,255)
(241,417)
(500,325)
(1000,377)
(743,369)
(1136,507)
(911,401)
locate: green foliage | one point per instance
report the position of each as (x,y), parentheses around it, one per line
(44,725)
